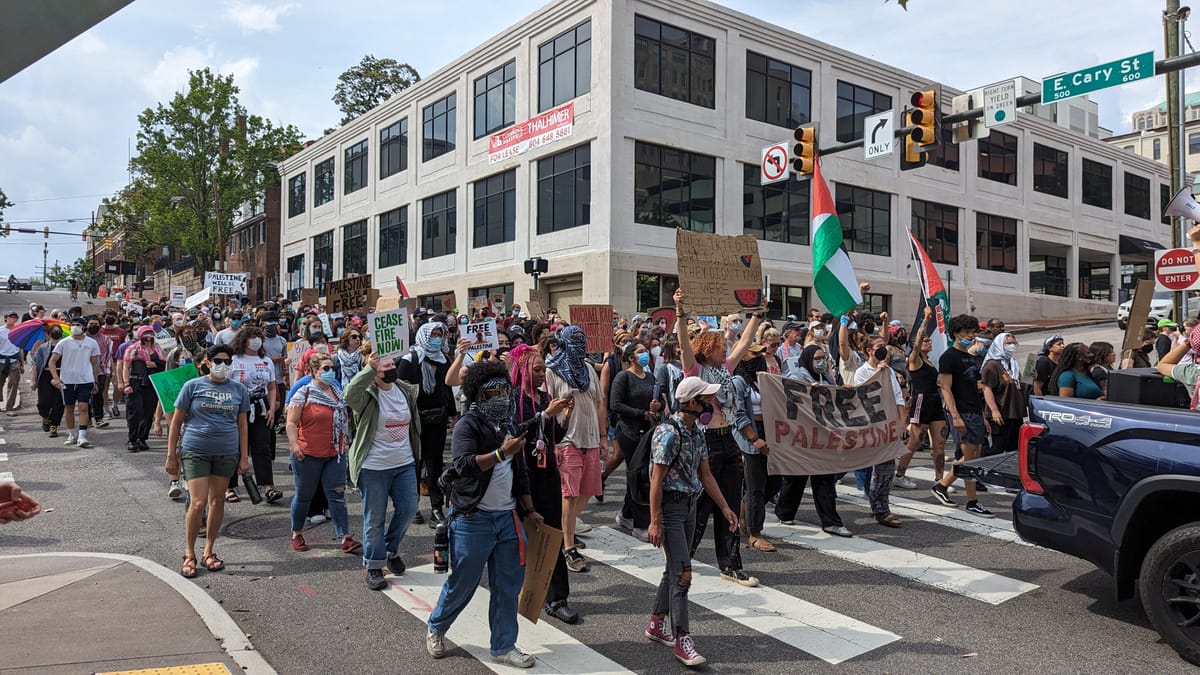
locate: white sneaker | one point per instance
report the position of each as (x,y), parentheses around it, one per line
(84,443)
(435,644)
(641,535)
(904,483)
(317,519)
(580,527)
(622,522)
(516,658)
(70,440)
(175,491)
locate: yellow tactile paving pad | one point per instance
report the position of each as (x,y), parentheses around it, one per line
(217,668)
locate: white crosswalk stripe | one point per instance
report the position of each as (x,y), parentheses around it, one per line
(825,634)
(927,474)
(959,519)
(417,592)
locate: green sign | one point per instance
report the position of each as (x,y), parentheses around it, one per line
(1103,76)
(168,383)
(389,332)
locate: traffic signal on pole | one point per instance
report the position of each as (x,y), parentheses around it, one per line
(804,152)
(46,232)
(7,229)
(925,117)
(914,156)
(83,235)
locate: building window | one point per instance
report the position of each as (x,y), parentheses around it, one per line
(777,93)
(995,243)
(355,170)
(1050,171)
(1193,144)
(1048,275)
(322,261)
(655,290)
(1137,196)
(854,105)
(1141,123)
(936,226)
(438,302)
(787,300)
(496,209)
(323,183)
(393,237)
(945,153)
(439,225)
(354,248)
(393,149)
(1097,184)
(673,188)
(1158,147)
(295,276)
(1095,283)
(565,190)
(775,212)
(1129,148)
(565,67)
(876,303)
(496,100)
(674,62)
(1164,198)
(491,292)
(998,157)
(866,217)
(437,137)
(296,195)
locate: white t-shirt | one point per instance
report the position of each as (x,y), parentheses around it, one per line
(225,336)
(75,360)
(391,448)
(256,373)
(7,348)
(867,371)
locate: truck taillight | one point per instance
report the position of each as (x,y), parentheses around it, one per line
(1028,433)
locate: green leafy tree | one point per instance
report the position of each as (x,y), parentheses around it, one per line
(200,157)
(60,276)
(4,204)
(371,82)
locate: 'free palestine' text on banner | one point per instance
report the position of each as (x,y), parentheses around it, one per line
(719,274)
(815,429)
(389,332)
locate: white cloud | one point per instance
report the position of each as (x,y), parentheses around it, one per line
(253,17)
(170,74)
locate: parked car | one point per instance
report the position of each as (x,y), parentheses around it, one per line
(1162,306)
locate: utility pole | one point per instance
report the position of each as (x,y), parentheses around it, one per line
(45,255)
(1173,19)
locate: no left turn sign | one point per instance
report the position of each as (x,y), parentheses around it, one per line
(775,162)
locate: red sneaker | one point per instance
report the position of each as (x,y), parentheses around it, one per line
(658,632)
(351,546)
(298,543)
(686,652)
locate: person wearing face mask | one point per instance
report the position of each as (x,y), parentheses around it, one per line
(106,368)
(160,329)
(75,367)
(1006,404)
(1072,378)
(426,365)
(141,360)
(879,488)
(1047,362)
(318,432)
(1104,355)
(256,372)
(751,438)
(636,401)
(926,418)
(958,379)
(1139,357)
(49,399)
(207,442)
(116,337)
(668,374)
(226,335)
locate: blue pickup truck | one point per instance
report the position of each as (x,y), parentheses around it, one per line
(1118,485)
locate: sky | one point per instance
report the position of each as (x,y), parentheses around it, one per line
(68,122)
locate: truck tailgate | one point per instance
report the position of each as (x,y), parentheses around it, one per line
(1001,470)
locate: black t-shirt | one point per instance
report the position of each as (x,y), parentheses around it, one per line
(1043,370)
(1163,345)
(965,370)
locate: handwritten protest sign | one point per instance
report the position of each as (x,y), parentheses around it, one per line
(535,310)
(815,429)
(347,295)
(225,284)
(719,274)
(325,325)
(498,304)
(168,383)
(541,555)
(309,296)
(482,336)
(389,332)
(597,324)
(198,298)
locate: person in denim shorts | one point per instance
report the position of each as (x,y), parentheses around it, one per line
(959,372)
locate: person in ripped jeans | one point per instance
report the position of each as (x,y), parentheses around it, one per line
(679,472)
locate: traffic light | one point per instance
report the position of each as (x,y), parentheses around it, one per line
(7,229)
(46,232)
(108,241)
(83,235)
(925,117)
(804,152)
(913,156)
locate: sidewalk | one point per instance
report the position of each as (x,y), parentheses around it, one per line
(1057,325)
(100,612)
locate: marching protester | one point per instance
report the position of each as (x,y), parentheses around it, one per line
(10,365)
(1048,358)
(256,372)
(74,368)
(1104,355)
(141,359)
(1001,382)
(425,365)
(926,419)
(958,378)
(635,401)
(879,487)
(750,437)
(1072,377)
(49,398)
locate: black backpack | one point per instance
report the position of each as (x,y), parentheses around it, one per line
(639,465)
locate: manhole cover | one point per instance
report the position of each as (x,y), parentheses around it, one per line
(261,526)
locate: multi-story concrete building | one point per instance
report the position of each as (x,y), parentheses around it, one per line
(671,102)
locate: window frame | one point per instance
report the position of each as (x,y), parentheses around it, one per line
(930,223)
(860,111)
(505,88)
(1137,194)
(354,248)
(857,198)
(551,52)
(393,237)
(664,288)
(649,43)
(323,181)
(550,177)
(300,180)
(430,119)
(986,235)
(354,167)
(430,210)
(1088,171)
(795,193)
(322,244)
(1048,156)
(998,143)
(770,76)
(685,170)
(393,148)
(499,191)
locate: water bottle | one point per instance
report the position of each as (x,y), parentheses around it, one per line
(441,549)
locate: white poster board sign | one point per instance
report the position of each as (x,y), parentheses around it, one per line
(225,284)
(482,336)
(389,332)
(198,298)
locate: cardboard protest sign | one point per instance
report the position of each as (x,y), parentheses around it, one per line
(663,314)
(114,305)
(1139,310)
(720,274)
(389,332)
(541,554)
(347,295)
(225,284)
(815,429)
(482,336)
(308,296)
(387,304)
(131,307)
(449,302)
(167,384)
(540,296)
(597,324)
(178,295)
(535,310)
(478,305)
(196,299)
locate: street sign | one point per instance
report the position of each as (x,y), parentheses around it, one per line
(1103,76)
(1175,270)
(999,103)
(878,135)
(775,162)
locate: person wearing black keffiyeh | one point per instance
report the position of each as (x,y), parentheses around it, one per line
(426,365)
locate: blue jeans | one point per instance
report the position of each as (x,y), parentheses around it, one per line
(377,487)
(312,473)
(491,537)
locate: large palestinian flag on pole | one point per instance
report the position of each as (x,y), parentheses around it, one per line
(936,297)
(833,275)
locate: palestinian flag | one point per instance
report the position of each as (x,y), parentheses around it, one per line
(401,290)
(935,296)
(833,275)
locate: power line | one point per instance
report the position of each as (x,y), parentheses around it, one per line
(59,199)
(78,219)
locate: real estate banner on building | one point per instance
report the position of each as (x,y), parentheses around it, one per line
(815,429)
(552,125)
(389,332)
(597,324)
(719,274)
(348,295)
(168,383)
(219,283)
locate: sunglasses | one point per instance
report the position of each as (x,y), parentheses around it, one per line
(325,368)
(355,337)
(221,360)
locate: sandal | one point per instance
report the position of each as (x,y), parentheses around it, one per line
(212,563)
(232,497)
(188,570)
(760,544)
(273,495)
(888,520)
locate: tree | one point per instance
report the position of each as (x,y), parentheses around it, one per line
(4,204)
(80,270)
(200,158)
(370,83)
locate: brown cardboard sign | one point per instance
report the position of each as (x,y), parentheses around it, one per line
(1139,311)
(387,304)
(535,310)
(597,324)
(541,554)
(347,295)
(308,296)
(719,274)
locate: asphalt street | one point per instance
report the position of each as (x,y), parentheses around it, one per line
(946,593)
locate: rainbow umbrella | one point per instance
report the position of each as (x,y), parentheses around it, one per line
(26,334)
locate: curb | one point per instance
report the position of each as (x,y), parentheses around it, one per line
(220,624)
(1083,323)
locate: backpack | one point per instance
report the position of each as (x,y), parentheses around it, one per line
(639,465)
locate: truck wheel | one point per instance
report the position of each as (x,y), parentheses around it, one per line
(1169,586)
